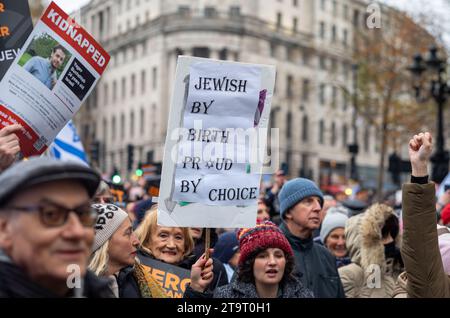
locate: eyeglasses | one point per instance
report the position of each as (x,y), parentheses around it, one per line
(54,215)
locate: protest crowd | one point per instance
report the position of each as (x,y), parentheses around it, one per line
(68,231)
(54,214)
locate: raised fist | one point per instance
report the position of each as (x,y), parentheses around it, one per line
(420,148)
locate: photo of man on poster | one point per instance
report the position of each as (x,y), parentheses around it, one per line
(45,69)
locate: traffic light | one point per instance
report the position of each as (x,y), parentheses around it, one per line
(95,151)
(116,179)
(139,171)
(130,162)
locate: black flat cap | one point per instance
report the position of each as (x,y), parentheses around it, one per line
(35,171)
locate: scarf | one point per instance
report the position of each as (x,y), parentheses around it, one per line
(148,286)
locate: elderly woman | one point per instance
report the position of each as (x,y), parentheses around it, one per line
(264,270)
(172,245)
(332,235)
(114,255)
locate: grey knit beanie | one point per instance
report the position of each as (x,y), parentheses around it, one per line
(110,218)
(332,221)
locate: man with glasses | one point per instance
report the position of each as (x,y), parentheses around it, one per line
(47,230)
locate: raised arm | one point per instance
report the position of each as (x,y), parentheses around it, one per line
(420,250)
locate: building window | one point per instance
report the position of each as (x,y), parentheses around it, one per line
(114,91)
(154,77)
(333,33)
(290,82)
(345,38)
(101,22)
(124,87)
(235,12)
(322,30)
(323,5)
(223,54)
(321,132)
(132,124)
(106,96)
(201,52)
(105,129)
(305,90)
(322,94)
(333,134)
(122,126)
(279,20)
(322,63)
(295,24)
(295,3)
(113,128)
(345,12)
(184,11)
(210,12)
(345,136)
(143,82)
(142,121)
(334,97)
(335,8)
(289,125)
(133,85)
(305,57)
(305,128)
(273,49)
(356,18)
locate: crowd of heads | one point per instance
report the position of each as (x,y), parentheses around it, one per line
(54,214)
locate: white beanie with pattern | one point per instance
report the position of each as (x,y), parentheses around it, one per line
(110,218)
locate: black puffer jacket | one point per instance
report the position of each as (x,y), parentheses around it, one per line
(128,287)
(15,284)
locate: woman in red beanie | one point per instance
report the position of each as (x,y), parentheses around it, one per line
(264,270)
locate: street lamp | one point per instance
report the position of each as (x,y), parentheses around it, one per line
(439,90)
(354,148)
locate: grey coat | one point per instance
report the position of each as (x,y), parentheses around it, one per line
(237,289)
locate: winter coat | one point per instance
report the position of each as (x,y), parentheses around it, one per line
(14,283)
(400,286)
(238,289)
(219,271)
(420,250)
(133,283)
(315,266)
(361,279)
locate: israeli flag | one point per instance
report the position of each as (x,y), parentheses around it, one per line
(67,146)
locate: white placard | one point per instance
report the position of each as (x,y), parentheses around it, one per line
(209,176)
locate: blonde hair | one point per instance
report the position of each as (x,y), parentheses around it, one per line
(149,225)
(99,260)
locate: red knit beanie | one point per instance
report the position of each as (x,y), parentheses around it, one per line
(445,214)
(265,235)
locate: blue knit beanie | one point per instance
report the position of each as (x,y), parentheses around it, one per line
(296,190)
(226,247)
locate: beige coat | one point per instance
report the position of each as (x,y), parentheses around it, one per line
(370,275)
(420,250)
